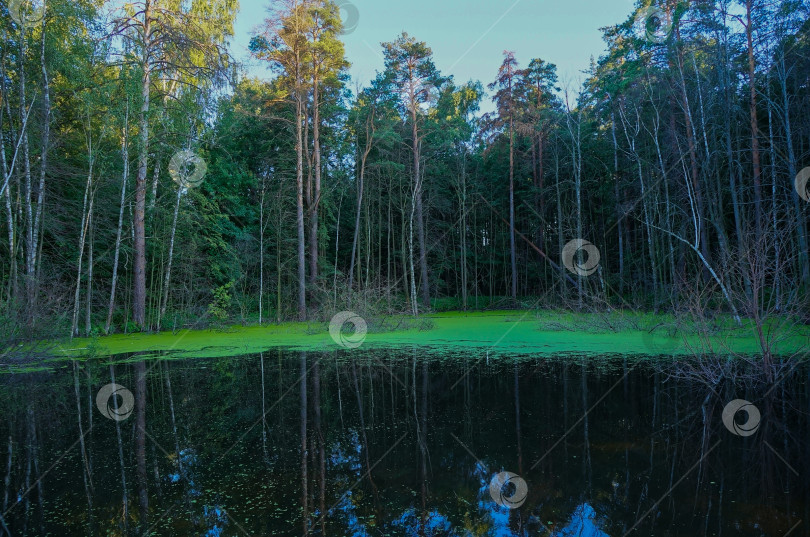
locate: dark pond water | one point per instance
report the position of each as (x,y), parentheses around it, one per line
(406,443)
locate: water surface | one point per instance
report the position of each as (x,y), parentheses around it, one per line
(407,443)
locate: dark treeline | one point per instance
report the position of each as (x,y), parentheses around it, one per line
(676,159)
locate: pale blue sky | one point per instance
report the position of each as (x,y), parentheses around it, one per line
(468,37)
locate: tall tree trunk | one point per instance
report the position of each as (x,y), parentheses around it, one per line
(12,246)
(139,262)
(617,195)
(88,299)
(278,274)
(155,179)
(648,225)
(360,190)
(694,174)
(43,162)
(124,179)
(801,227)
(463,200)
(736,204)
(86,211)
(413,298)
(420,220)
(5,187)
(576,159)
(560,240)
(316,193)
(299,179)
(755,156)
(27,192)
(667,205)
(167,278)
(777,247)
(261,252)
(512,247)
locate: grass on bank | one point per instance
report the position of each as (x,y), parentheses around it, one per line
(496,332)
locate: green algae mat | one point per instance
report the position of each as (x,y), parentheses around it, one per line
(497,333)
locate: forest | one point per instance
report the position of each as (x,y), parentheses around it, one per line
(148,184)
(591,283)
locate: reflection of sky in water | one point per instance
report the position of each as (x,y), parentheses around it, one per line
(496,514)
(338,456)
(345,460)
(189,460)
(216,517)
(342,461)
(435,525)
(354,527)
(583,524)
(213,517)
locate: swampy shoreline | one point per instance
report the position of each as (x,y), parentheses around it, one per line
(496,332)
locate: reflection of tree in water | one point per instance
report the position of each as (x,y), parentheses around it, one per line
(648,427)
(345,468)
(765,467)
(211,517)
